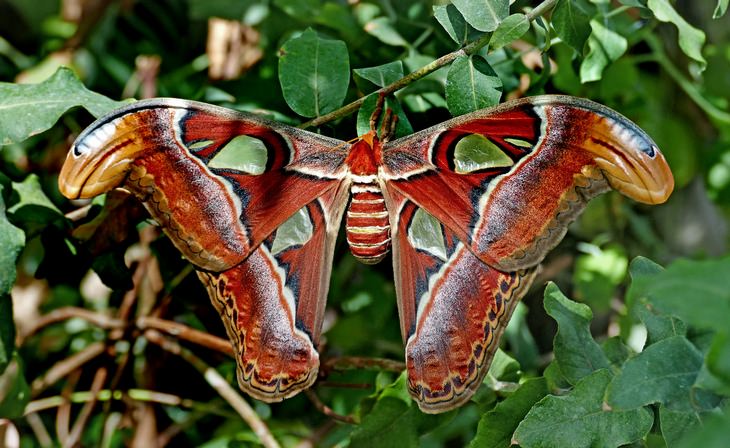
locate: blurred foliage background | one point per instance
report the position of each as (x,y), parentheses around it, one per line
(94,350)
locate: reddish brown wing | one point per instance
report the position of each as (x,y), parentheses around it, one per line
(453,307)
(272,304)
(476,203)
(508,181)
(255,205)
(218,181)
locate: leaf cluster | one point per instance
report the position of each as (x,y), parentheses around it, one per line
(112,331)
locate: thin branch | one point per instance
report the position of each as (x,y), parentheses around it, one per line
(326,410)
(107,395)
(85,413)
(39,430)
(66,366)
(69,312)
(186,333)
(443,61)
(220,385)
(354,362)
(719,115)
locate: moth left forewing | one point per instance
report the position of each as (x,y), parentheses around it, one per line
(453,307)
(218,181)
(272,304)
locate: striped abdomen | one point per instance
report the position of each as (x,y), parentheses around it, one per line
(367,225)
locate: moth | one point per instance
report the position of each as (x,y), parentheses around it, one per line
(468,207)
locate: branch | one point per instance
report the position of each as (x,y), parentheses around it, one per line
(186,333)
(68,312)
(326,410)
(443,61)
(354,362)
(66,366)
(220,385)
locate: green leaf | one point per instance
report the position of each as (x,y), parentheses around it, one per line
(471,84)
(395,420)
(605,46)
(691,39)
(33,211)
(511,29)
(12,240)
(720,9)
(496,426)
(571,23)
(663,373)
(712,434)
(616,352)
(7,331)
(484,15)
(29,109)
(660,326)
(576,352)
(453,22)
(382,75)
(718,358)
(382,29)
(14,390)
(705,282)
(314,73)
(581,419)
(676,424)
(598,273)
(298,8)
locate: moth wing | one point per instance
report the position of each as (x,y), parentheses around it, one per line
(272,304)
(508,181)
(218,181)
(453,307)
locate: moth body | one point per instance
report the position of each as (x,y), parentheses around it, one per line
(367,224)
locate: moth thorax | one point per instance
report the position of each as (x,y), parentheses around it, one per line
(367,225)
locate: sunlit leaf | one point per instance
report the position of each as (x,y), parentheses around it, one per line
(496,426)
(314,73)
(581,418)
(605,46)
(571,22)
(511,29)
(576,352)
(453,22)
(29,109)
(663,373)
(720,9)
(484,15)
(691,39)
(381,75)
(471,84)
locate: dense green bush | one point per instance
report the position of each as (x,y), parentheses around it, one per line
(110,343)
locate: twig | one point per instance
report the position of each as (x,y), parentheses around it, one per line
(83,418)
(68,312)
(219,384)
(186,333)
(443,61)
(689,88)
(314,438)
(66,366)
(326,410)
(39,429)
(131,394)
(354,362)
